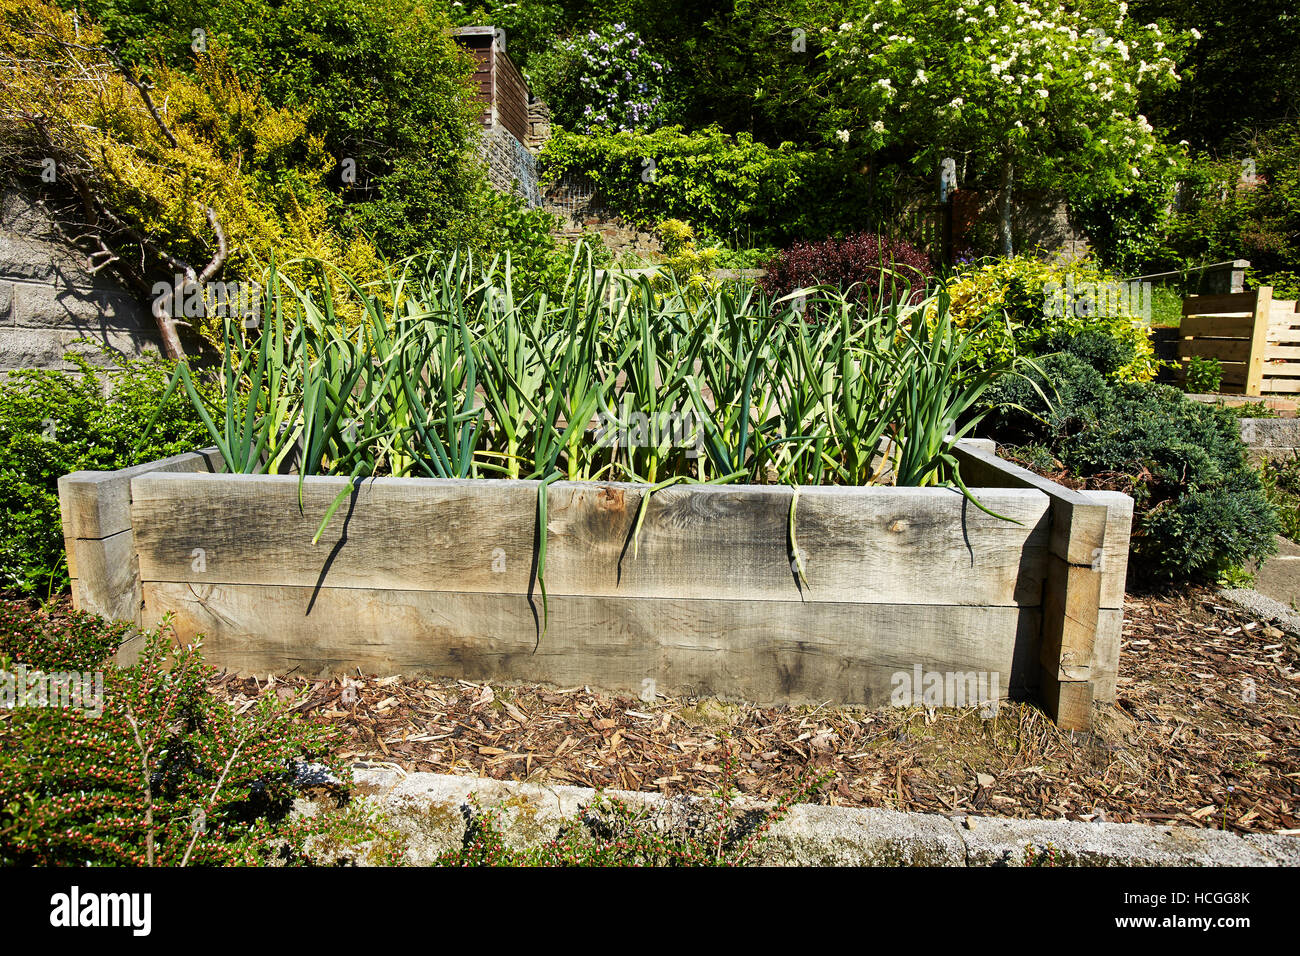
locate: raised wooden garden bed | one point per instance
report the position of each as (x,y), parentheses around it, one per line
(438,577)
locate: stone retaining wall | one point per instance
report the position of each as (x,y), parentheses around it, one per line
(49,300)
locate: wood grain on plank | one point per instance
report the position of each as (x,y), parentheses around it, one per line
(1232,302)
(1078,524)
(1259,340)
(96,504)
(765,652)
(1225,350)
(1217,326)
(871,545)
(1068,702)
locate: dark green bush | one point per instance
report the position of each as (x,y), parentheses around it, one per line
(1200,508)
(53,423)
(1067,397)
(1094,345)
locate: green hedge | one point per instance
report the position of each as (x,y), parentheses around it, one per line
(53,423)
(1201,509)
(725,186)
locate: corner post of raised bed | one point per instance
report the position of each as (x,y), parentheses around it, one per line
(1072,618)
(95,507)
(1083,590)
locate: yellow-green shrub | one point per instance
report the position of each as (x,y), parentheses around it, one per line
(689,266)
(255,166)
(1017,292)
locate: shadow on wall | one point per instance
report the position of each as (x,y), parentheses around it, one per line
(49,298)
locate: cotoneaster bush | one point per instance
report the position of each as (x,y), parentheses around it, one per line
(1201,509)
(147,767)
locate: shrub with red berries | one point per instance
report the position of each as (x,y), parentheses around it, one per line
(155,770)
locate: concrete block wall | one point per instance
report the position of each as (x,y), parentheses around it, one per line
(510,166)
(49,300)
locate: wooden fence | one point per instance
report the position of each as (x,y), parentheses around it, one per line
(1255,338)
(439,577)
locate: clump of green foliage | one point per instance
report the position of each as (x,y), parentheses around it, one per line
(1204,375)
(53,423)
(1252,410)
(1281,479)
(718,182)
(1200,508)
(1242,202)
(149,768)
(607,832)
(1245,206)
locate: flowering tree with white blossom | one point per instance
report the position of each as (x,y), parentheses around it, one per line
(1034,93)
(605,80)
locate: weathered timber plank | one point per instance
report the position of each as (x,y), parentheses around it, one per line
(1070,608)
(95,507)
(1105,654)
(1068,702)
(1078,524)
(96,504)
(765,652)
(1217,326)
(422,534)
(104,581)
(1219,304)
(1112,563)
(876,545)
(1225,350)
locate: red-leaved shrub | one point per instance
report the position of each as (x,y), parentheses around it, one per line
(858,264)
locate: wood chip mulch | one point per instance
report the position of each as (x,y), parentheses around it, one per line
(1205,732)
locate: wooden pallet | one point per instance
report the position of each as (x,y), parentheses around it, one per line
(1255,337)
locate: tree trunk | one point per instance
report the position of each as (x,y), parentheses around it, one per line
(171,341)
(1004,207)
